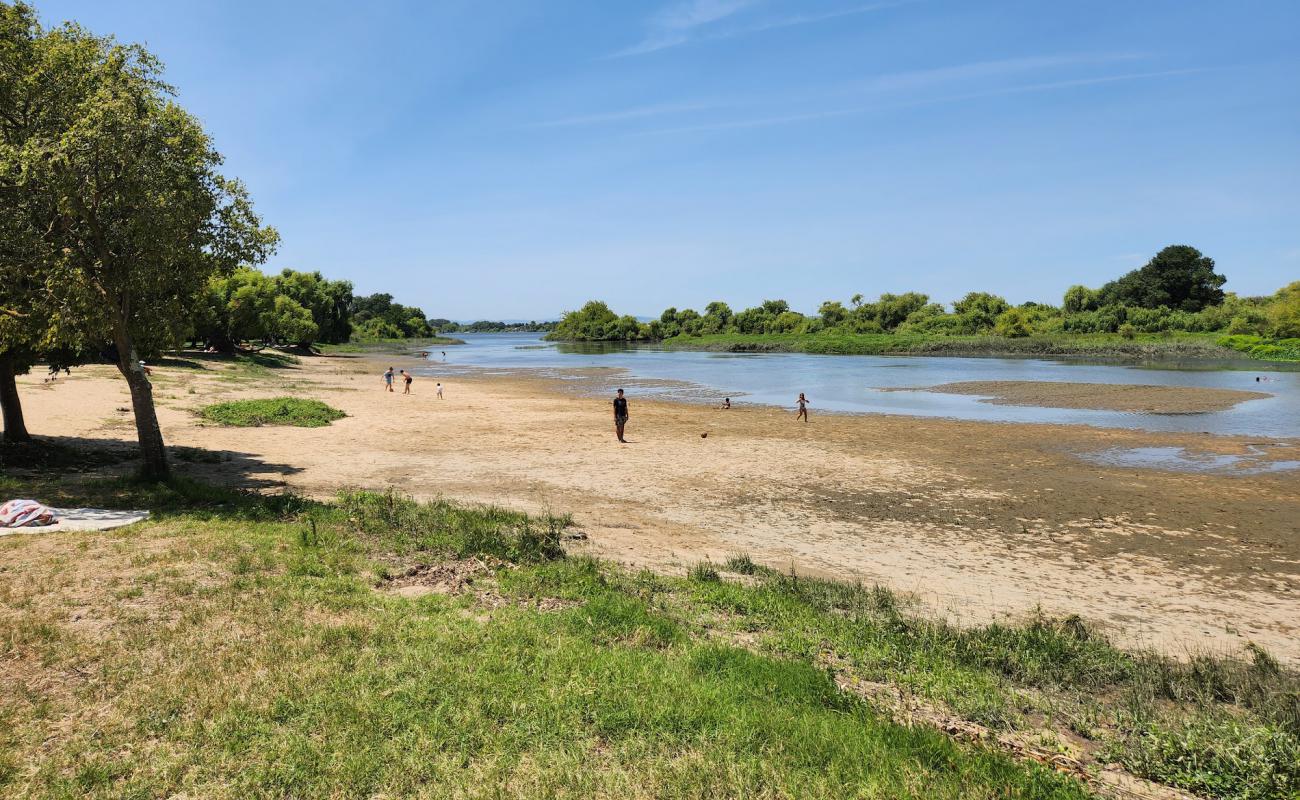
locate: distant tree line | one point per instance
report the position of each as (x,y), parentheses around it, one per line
(488,326)
(1177,290)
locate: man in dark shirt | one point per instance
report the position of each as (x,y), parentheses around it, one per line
(620,415)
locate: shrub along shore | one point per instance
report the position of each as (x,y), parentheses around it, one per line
(1173,307)
(1188,346)
(377,645)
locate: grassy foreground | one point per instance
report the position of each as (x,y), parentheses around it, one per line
(272,411)
(242,646)
(1101,345)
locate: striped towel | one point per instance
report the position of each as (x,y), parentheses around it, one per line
(26,514)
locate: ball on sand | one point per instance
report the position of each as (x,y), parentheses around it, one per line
(704,435)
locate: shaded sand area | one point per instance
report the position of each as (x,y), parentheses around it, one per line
(978,520)
(1103,396)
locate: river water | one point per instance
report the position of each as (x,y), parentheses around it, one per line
(871,384)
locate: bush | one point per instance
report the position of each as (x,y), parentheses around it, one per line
(1012,323)
(275,411)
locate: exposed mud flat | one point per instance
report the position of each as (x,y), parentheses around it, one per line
(1137,398)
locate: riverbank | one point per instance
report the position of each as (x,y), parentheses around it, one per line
(1142,347)
(981,521)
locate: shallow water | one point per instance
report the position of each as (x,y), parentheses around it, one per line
(1180,459)
(857,383)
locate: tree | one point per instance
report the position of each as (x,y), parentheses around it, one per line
(22,246)
(1079,299)
(1284,312)
(717,316)
(143,215)
(593,322)
(329,302)
(833,313)
(1178,277)
(288,321)
(979,311)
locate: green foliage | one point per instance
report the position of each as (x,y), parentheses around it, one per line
(594,322)
(378,312)
(491,326)
(1216,757)
(704,572)
(1178,277)
(1284,312)
(1176,292)
(1262,348)
(1078,299)
(1013,323)
(741,564)
(408,526)
(275,411)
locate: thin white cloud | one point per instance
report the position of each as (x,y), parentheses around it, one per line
(907,80)
(915,79)
(623,115)
(761,122)
(809,19)
(665,36)
(676,24)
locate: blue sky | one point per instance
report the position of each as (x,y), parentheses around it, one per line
(512,158)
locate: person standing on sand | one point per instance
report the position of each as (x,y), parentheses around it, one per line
(388,379)
(439,391)
(803,408)
(406,378)
(620,415)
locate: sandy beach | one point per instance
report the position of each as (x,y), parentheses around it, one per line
(976,520)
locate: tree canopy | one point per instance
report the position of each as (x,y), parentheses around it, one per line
(124,189)
(1179,277)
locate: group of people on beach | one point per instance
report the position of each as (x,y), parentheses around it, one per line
(620,400)
(407,380)
(621,415)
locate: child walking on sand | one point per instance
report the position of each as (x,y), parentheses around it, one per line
(803,408)
(388,379)
(439,387)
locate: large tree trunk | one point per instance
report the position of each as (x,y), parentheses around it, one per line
(15,428)
(152,449)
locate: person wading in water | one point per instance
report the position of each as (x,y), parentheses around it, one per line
(620,415)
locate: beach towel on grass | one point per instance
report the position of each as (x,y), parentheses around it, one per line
(26,514)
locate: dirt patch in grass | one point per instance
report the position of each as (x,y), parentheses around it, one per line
(1103,396)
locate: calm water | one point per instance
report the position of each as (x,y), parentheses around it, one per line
(855,383)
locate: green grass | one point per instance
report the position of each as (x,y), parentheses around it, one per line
(248,654)
(1142,346)
(248,648)
(273,411)
(1262,348)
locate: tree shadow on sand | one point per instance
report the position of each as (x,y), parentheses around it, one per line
(67,471)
